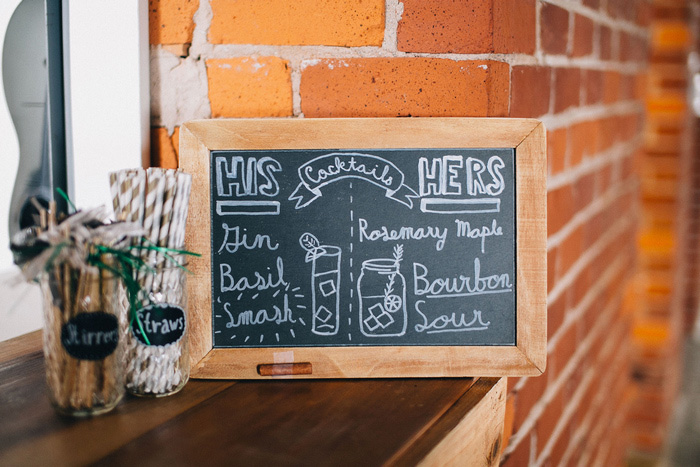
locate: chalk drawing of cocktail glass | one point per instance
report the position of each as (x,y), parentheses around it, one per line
(382,291)
(325,285)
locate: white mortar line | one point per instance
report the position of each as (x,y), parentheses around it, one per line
(599,399)
(575,313)
(202,22)
(393,11)
(565,373)
(588,62)
(587,421)
(570,37)
(201,49)
(584,259)
(308,52)
(599,17)
(571,275)
(538,27)
(586,214)
(571,406)
(598,111)
(295,75)
(593,162)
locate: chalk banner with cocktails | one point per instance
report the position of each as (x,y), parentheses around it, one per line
(363,247)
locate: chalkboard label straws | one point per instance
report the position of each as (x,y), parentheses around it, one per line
(162,323)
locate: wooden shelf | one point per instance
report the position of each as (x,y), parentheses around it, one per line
(300,422)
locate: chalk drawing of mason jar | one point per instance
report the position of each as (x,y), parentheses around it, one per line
(382,291)
(325,285)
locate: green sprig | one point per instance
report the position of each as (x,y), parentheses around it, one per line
(66,198)
(129,264)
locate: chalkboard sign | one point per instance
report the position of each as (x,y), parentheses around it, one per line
(331,253)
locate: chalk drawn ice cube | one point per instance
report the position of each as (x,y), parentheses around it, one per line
(371,323)
(327,288)
(323,314)
(378,317)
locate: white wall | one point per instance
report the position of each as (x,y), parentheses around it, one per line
(107,86)
(107,124)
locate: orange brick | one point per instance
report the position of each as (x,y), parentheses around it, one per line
(555,315)
(583,36)
(652,334)
(670,36)
(593,82)
(640,85)
(548,420)
(623,9)
(603,178)
(514,26)
(644,14)
(556,150)
(560,208)
(563,352)
(560,446)
(520,457)
(552,270)
(393,87)
(583,141)
(512,382)
(530,90)
(632,48)
(567,88)
(163,149)
(170,21)
(508,421)
(593,230)
(606,43)
(570,250)
(526,398)
(607,135)
(250,87)
(347,23)
(452,26)
(611,87)
(627,87)
(474,26)
(579,289)
(554,29)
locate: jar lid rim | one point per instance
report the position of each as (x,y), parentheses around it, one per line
(380,264)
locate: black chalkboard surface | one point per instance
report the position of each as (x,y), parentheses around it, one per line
(363,247)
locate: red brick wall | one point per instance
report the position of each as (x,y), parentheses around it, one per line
(579,66)
(667,240)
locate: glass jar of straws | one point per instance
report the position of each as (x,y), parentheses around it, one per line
(157,200)
(157,357)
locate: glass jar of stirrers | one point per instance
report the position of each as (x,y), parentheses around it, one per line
(83,351)
(157,357)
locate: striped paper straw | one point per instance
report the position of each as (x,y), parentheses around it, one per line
(151,216)
(114,191)
(138,191)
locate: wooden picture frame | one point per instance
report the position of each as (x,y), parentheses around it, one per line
(526,136)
